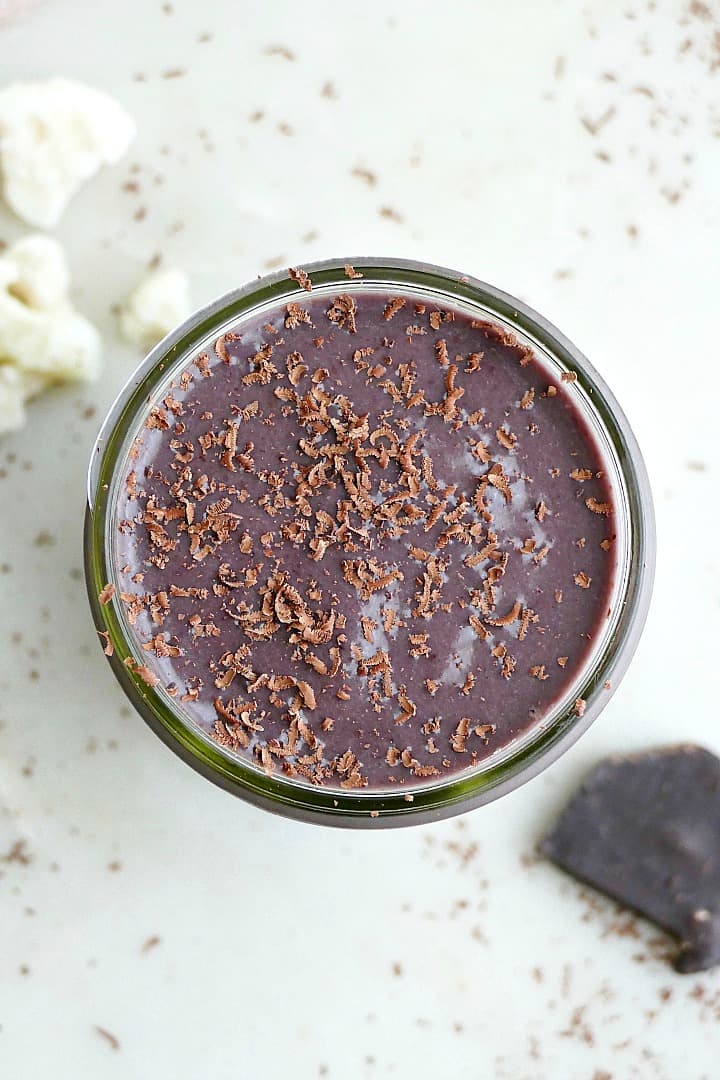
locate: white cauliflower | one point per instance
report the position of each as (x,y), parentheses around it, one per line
(43,340)
(54,135)
(156,306)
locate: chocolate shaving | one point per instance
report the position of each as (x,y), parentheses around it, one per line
(296,316)
(392,307)
(598,507)
(106,594)
(301,278)
(342,313)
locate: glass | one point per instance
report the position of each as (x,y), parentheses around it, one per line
(511,764)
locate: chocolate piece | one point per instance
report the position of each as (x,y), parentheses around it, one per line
(645,829)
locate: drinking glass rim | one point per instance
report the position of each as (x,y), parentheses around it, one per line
(482,782)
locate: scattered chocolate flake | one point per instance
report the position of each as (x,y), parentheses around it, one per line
(112,1040)
(582,580)
(598,507)
(301,278)
(409,708)
(527,618)
(44,539)
(106,594)
(17,854)
(307,694)
(150,943)
(498,479)
(391,214)
(351,272)
(581,474)
(148,677)
(280,50)
(593,127)
(538,672)
(512,616)
(506,438)
(295,316)
(643,829)
(109,648)
(569,376)
(393,306)
(579,707)
(367,175)
(342,313)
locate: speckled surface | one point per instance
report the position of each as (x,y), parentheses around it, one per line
(200,933)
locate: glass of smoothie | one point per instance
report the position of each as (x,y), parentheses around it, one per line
(368,544)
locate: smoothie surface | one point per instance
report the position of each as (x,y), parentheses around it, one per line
(365,541)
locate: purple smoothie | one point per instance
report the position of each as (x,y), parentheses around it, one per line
(364,542)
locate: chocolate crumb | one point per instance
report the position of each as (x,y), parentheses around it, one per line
(282,51)
(598,507)
(301,278)
(367,175)
(391,214)
(393,306)
(106,594)
(110,1039)
(17,854)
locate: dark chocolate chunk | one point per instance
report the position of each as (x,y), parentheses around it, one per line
(645,829)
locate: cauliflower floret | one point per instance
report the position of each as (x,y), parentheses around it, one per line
(54,135)
(15,389)
(38,272)
(157,305)
(43,340)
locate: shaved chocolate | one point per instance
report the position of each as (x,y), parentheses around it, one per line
(301,277)
(645,829)
(106,594)
(597,507)
(327,536)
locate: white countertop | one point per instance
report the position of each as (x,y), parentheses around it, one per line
(286,950)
